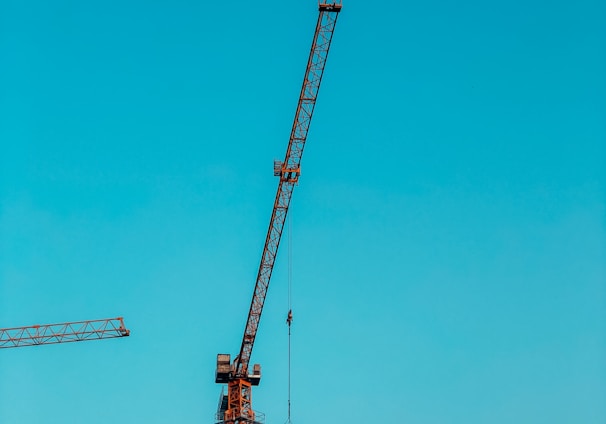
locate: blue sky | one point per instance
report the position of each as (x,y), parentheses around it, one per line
(448,231)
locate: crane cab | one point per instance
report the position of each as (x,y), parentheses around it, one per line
(255,377)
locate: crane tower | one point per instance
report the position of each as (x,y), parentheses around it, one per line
(236,407)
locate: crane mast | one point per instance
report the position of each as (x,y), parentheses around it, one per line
(237,375)
(35,335)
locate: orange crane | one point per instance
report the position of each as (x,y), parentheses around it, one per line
(236,407)
(78,331)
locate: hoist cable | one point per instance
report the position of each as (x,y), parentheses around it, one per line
(289,316)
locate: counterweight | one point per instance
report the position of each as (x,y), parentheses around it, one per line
(236,407)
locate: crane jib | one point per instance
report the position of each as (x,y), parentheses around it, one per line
(289,174)
(35,335)
(236,406)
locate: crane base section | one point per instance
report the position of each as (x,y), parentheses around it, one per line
(223,403)
(239,400)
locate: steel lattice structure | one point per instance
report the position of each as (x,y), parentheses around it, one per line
(288,172)
(35,335)
(237,376)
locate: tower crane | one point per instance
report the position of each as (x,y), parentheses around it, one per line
(77,331)
(236,407)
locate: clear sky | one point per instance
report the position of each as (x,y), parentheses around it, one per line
(448,231)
